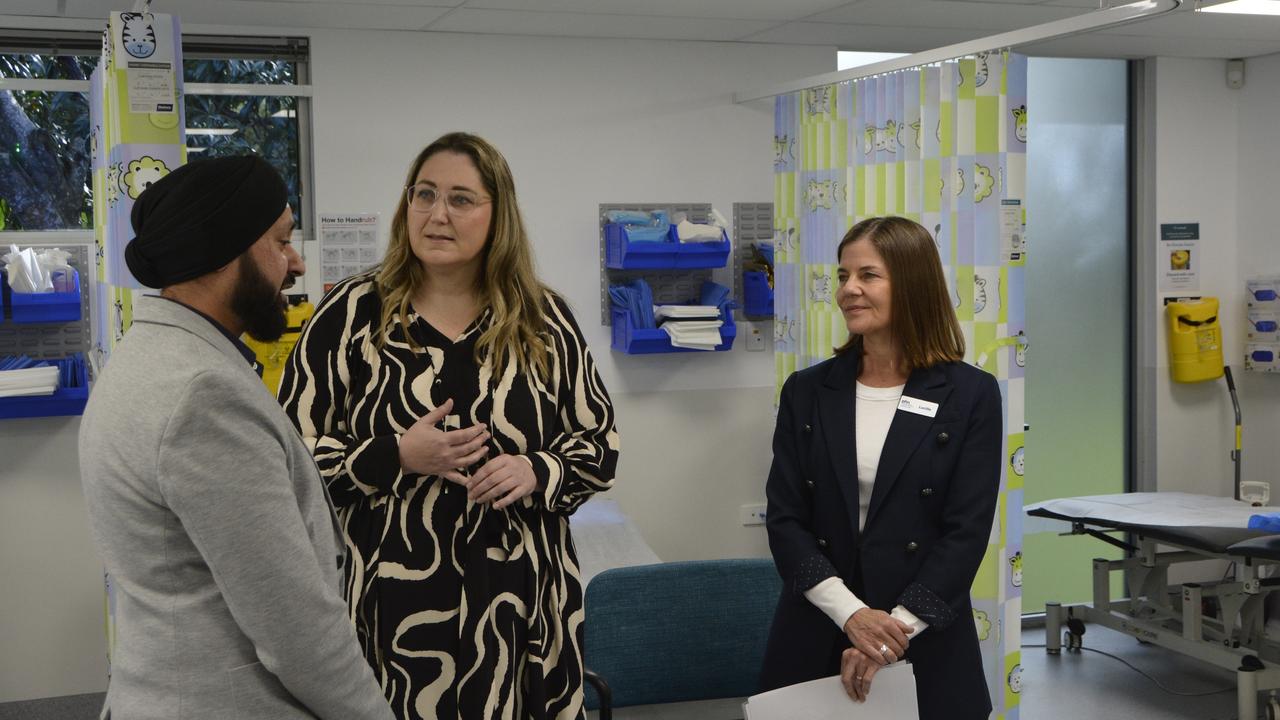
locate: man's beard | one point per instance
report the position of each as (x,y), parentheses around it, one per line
(257,303)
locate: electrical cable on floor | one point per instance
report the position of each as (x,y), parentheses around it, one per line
(1145,675)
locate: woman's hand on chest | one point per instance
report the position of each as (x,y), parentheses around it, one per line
(428,450)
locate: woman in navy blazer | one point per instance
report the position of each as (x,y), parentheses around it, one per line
(885,477)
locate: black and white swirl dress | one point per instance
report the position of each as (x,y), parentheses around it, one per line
(462,611)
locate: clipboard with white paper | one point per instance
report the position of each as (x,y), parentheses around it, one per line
(892,697)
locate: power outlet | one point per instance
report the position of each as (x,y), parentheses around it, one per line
(752,514)
(755,337)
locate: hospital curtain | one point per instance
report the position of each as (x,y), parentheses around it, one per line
(944,145)
(137,136)
(137,125)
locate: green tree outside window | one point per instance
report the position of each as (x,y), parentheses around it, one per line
(45,163)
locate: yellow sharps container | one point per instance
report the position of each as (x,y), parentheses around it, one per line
(1195,340)
(273,355)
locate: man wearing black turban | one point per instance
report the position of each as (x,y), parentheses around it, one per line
(202,218)
(211,516)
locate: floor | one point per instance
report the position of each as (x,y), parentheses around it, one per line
(68,707)
(1090,685)
(1069,686)
(1072,685)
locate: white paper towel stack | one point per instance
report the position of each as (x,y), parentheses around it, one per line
(690,326)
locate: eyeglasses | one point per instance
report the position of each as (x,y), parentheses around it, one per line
(458,203)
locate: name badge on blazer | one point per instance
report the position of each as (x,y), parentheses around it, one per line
(918,406)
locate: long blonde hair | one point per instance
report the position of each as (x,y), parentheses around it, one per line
(506,284)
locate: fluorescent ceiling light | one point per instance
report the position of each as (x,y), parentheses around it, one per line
(196,149)
(1244,7)
(283,113)
(212,131)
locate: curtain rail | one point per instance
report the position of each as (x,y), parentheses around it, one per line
(1095,20)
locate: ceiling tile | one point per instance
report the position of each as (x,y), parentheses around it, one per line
(1133,46)
(871,25)
(45,8)
(280,13)
(725,9)
(1194,25)
(868,38)
(1085,4)
(368,17)
(515,22)
(402,3)
(994,17)
(100,9)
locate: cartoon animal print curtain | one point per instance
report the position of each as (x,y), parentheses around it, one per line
(136,139)
(944,145)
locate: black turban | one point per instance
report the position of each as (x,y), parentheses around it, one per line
(202,216)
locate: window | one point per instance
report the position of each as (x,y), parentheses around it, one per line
(242,96)
(245,98)
(44,143)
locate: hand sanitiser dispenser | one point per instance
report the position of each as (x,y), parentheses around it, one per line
(1195,340)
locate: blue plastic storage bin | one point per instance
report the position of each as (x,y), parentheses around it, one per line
(645,341)
(624,253)
(52,307)
(699,255)
(757,295)
(63,401)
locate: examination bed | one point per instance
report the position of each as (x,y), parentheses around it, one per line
(1219,622)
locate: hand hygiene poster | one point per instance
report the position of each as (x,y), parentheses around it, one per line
(1179,256)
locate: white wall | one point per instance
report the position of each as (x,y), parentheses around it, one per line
(1218,164)
(1258,177)
(51,597)
(582,122)
(1197,176)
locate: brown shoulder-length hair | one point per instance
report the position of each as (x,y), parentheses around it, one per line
(921,317)
(507,284)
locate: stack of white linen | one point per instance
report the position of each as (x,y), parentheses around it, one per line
(696,327)
(28,381)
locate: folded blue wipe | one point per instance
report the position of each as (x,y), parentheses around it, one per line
(715,294)
(647,233)
(19,362)
(637,299)
(629,217)
(656,218)
(69,368)
(1270,523)
(641,225)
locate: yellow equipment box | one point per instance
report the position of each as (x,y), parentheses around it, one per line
(273,355)
(1195,340)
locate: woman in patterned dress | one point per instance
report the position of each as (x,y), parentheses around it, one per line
(458,420)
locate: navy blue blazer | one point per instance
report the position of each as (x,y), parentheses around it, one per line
(927,527)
